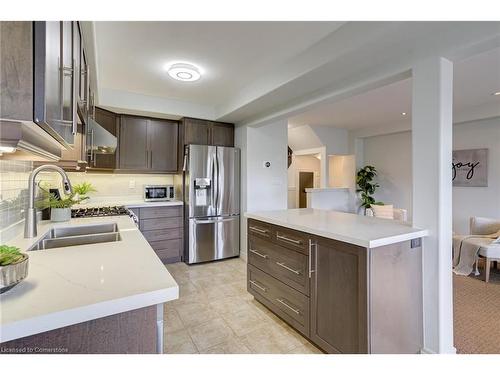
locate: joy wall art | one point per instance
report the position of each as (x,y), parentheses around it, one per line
(470,167)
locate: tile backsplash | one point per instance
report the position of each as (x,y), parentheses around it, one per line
(120,185)
(13,190)
(14,175)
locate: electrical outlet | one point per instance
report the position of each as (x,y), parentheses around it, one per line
(131,184)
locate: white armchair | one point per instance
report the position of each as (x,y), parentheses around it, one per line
(486,226)
(399,213)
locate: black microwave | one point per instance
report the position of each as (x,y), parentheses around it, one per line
(154,193)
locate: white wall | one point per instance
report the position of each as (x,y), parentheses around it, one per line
(478,201)
(391,155)
(262,188)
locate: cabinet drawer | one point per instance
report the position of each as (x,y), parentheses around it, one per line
(288,266)
(292,239)
(162,234)
(171,255)
(284,301)
(157,212)
(160,223)
(258,228)
(166,244)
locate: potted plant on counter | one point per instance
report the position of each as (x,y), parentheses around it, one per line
(60,208)
(13,267)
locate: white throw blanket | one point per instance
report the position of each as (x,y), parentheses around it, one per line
(465,249)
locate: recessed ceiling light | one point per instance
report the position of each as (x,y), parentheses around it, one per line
(403,113)
(496,93)
(184,72)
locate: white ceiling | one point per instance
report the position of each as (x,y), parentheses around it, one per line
(263,71)
(475,79)
(131,56)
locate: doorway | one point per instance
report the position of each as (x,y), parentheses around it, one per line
(306,180)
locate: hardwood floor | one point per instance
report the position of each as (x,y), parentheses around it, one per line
(216,315)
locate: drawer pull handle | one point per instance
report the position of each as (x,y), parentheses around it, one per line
(284,238)
(257,285)
(288,306)
(311,244)
(258,230)
(288,268)
(258,254)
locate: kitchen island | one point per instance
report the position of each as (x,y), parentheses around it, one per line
(95,298)
(348,283)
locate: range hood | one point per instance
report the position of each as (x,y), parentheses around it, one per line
(26,140)
(99,141)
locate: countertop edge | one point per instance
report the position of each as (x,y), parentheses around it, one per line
(60,319)
(352,240)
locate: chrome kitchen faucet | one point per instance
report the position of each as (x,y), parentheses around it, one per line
(30,221)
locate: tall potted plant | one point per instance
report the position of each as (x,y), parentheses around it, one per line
(366,186)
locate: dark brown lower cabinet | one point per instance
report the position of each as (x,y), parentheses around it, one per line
(342,297)
(162,226)
(339,297)
(130,332)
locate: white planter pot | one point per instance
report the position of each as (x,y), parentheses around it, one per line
(60,214)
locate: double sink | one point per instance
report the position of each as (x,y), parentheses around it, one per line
(78,235)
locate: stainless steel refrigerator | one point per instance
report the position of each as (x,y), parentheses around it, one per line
(212,203)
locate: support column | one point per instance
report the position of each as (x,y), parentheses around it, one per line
(432,195)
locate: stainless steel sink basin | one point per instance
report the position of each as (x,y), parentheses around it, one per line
(82,230)
(78,235)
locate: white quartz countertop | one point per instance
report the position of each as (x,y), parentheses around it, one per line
(359,230)
(130,202)
(75,284)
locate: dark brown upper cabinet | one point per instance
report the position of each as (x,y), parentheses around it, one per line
(163,140)
(133,149)
(148,145)
(222,134)
(205,132)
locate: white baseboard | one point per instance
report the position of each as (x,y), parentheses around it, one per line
(429,351)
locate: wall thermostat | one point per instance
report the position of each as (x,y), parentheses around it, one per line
(267,164)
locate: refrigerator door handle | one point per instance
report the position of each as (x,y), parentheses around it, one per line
(217,181)
(215,220)
(215,184)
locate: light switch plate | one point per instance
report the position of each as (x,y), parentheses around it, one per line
(131,184)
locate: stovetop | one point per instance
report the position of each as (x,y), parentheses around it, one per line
(100,211)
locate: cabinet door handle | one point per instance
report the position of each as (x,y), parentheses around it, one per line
(288,306)
(311,244)
(288,268)
(258,254)
(74,130)
(284,238)
(257,285)
(258,230)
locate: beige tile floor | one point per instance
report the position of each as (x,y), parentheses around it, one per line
(216,315)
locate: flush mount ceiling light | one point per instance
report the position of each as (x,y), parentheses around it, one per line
(496,93)
(184,72)
(403,113)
